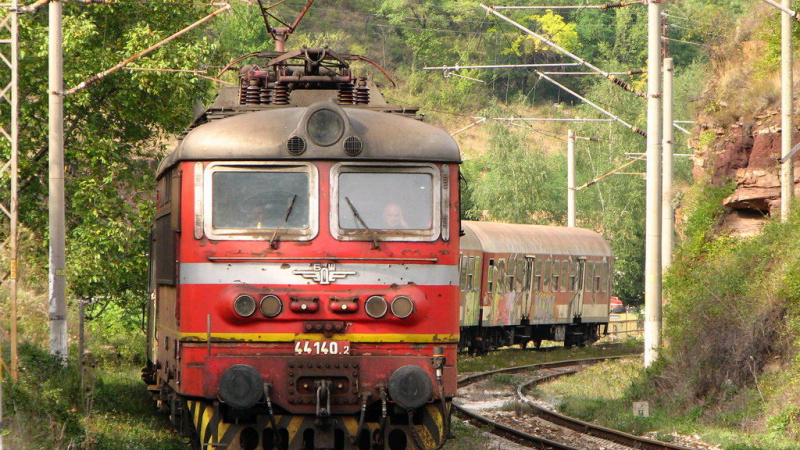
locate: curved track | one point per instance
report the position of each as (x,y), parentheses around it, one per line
(617,437)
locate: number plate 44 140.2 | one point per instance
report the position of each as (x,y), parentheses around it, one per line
(321,348)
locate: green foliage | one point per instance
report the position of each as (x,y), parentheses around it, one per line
(52,409)
(515,183)
(748,290)
(705,203)
(114,129)
(550,26)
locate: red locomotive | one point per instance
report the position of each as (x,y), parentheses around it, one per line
(304,266)
(523,283)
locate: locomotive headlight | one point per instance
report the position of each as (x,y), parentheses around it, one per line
(402,306)
(244,305)
(376,306)
(325,127)
(271,305)
(410,387)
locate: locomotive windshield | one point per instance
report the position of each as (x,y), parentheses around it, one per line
(245,200)
(395,202)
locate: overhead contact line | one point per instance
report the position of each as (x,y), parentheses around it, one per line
(566,52)
(633,128)
(603,6)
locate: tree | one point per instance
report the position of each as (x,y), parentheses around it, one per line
(114,132)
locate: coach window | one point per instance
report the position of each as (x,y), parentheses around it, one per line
(490,277)
(598,273)
(528,273)
(463,269)
(470,273)
(548,272)
(501,276)
(573,277)
(260,201)
(556,268)
(477,269)
(601,276)
(564,274)
(589,276)
(400,202)
(537,278)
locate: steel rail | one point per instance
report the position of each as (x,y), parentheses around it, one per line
(506,432)
(512,434)
(579,426)
(591,429)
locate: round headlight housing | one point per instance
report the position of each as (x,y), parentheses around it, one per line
(376,306)
(244,305)
(325,127)
(271,305)
(402,307)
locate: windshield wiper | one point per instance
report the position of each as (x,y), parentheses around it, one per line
(272,244)
(363,224)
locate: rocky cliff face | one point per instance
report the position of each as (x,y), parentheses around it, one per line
(748,153)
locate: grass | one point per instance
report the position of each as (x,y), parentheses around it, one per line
(47,409)
(467,437)
(603,394)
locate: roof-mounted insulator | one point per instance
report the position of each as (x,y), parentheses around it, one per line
(346,95)
(362,91)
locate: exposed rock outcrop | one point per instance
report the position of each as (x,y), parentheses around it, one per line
(748,153)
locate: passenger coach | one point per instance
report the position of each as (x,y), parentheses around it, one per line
(523,283)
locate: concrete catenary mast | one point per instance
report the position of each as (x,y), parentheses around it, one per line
(652,264)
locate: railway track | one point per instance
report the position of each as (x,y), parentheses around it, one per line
(597,435)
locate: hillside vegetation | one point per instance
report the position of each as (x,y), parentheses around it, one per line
(732,321)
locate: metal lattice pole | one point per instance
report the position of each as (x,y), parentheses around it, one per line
(9,47)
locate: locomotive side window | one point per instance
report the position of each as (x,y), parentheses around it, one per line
(258,201)
(401,202)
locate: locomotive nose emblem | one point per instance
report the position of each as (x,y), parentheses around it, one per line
(323,273)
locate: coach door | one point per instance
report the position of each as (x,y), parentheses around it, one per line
(576,303)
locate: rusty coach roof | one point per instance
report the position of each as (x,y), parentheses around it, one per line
(495,237)
(265,134)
